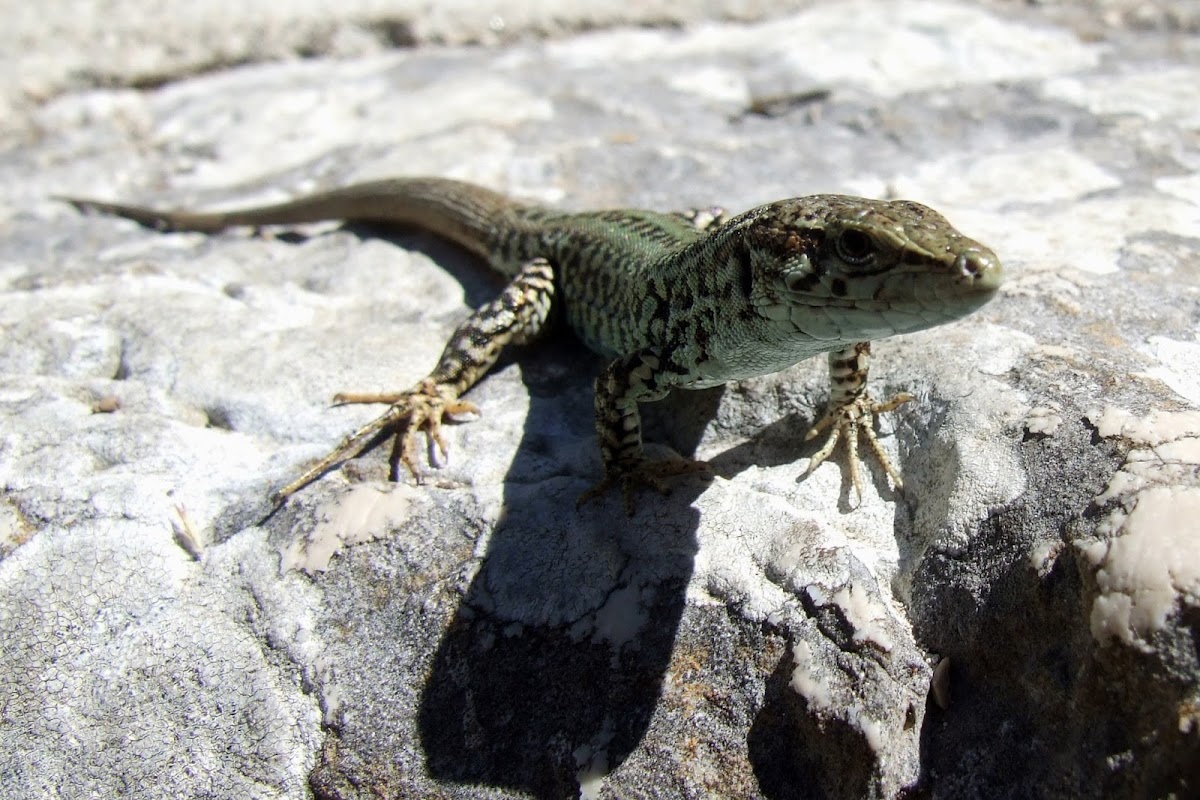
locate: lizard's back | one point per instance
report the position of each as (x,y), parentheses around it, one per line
(606,265)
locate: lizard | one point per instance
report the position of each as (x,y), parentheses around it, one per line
(672,301)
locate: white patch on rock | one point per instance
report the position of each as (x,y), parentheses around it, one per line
(1179,366)
(1044,420)
(806,682)
(592,760)
(864,611)
(363,514)
(871,729)
(1144,552)
(865,614)
(621,617)
(1043,556)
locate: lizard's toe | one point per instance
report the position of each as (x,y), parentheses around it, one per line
(851,422)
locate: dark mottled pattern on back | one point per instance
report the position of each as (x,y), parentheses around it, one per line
(613,268)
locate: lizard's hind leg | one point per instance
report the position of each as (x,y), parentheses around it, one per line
(643,377)
(515,317)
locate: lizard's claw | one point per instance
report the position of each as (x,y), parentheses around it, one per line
(419,410)
(643,472)
(849,422)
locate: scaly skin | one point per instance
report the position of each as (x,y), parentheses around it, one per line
(675,301)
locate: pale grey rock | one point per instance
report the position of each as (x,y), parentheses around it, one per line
(477,636)
(80,44)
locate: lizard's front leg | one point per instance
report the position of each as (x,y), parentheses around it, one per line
(851,414)
(516,316)
(622,385)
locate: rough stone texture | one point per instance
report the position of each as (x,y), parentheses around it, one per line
(477,637)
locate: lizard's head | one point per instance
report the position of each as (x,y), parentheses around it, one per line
(839,268)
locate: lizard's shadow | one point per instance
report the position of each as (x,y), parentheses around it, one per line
(552,665)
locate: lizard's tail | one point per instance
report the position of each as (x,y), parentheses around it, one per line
(461,212)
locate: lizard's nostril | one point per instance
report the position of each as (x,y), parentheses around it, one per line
(981,267)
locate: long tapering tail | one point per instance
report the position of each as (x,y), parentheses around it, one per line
(469,215)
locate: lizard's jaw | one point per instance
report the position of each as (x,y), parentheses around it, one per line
(890,304)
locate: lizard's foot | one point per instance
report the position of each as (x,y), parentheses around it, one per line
(420,409)
(643,472)
(848,422)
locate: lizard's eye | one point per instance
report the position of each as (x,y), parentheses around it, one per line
(855,247)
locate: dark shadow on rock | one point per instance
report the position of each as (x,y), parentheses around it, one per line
(680,419)
(795,757)
(779,443)
(526,689)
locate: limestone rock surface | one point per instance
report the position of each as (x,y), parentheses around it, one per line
(1023,621)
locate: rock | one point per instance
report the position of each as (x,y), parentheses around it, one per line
(476,636)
